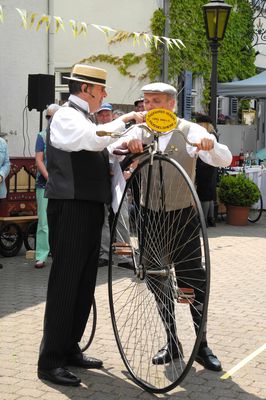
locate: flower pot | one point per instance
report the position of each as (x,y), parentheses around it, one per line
(237,215)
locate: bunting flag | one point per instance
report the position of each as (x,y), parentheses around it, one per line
(45,19)
(104,29)
(74,27)
(83,28)
(23,15)
(32,19)
(1,14)
(59,24)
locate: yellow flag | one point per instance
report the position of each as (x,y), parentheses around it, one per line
(74,27)
(1,14)
(32,19)
(59,24)
(136,36)
(23,15)
(156,39)
(83,28)
(104,29)
(44,19)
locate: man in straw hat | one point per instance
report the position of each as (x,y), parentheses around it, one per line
(162,95)
(77,189)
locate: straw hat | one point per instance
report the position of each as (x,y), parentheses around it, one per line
(88,74)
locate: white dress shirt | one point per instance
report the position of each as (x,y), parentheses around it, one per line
(70,131)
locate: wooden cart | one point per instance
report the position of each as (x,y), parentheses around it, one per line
(18,211)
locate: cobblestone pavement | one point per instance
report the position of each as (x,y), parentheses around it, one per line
(236,329)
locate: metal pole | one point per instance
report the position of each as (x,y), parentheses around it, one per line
(213,105)
(166,34)
(40,125)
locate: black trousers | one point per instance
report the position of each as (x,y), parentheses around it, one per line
(173,237)
(75,236)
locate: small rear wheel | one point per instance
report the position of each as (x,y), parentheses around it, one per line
(11,239)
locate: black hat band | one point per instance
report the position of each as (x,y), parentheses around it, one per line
(96,80)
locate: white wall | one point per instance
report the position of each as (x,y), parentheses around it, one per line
(125,15)
(23,52)
(238,137)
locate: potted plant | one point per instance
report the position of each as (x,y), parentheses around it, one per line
(238,193)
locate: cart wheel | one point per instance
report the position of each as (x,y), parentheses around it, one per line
(11,239)
(29,236)
(90,329)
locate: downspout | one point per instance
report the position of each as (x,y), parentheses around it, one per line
(50,45)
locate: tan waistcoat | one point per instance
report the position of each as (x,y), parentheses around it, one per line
(175,192)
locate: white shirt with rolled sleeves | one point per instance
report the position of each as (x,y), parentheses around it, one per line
(219,156)
(70,131)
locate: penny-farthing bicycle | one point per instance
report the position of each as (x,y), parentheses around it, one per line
(163,297)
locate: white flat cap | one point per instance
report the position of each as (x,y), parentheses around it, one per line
(159,87)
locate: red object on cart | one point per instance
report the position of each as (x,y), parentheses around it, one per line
(20,199)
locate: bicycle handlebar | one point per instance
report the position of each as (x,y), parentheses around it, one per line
(147,129)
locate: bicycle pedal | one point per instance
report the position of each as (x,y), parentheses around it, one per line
(185,295)
(122,248)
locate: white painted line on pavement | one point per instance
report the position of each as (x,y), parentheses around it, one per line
(244,362)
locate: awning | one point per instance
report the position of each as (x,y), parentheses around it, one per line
(253,88)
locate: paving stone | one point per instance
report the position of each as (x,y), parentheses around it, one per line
(236,328)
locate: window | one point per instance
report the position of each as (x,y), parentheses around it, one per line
(61,85)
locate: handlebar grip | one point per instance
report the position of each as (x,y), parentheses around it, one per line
(121,152)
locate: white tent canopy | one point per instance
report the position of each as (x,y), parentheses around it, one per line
(254,87)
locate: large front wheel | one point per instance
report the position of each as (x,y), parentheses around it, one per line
(162,298)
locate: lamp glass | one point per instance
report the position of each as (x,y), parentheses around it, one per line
(216,18)
(221,25)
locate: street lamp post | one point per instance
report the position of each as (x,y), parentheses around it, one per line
(216,15)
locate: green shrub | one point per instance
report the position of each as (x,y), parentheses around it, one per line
(238,190)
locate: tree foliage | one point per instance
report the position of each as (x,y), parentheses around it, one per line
(235,58)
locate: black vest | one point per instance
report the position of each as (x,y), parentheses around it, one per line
(83,175)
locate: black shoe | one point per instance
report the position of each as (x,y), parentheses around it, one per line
(60,376)
(82,361)
(126,264)
(103,262)
(168,353)
(206,358)
(211,222)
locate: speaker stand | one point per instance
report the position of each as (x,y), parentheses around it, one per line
(40,121)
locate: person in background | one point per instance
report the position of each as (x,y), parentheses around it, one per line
(206,178)
(42,240)
(117,113)
(104,114)
(77,188)
(4,170)
(139,104)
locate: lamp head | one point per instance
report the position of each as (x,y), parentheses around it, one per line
(216,15)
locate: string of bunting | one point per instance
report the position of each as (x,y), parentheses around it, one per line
(31,20)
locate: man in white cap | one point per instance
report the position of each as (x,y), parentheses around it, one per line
(78,186)
(162,95)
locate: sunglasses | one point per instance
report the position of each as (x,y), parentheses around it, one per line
(48,117)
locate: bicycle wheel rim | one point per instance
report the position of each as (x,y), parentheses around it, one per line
(134,311)
(255,211)
(90,329)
